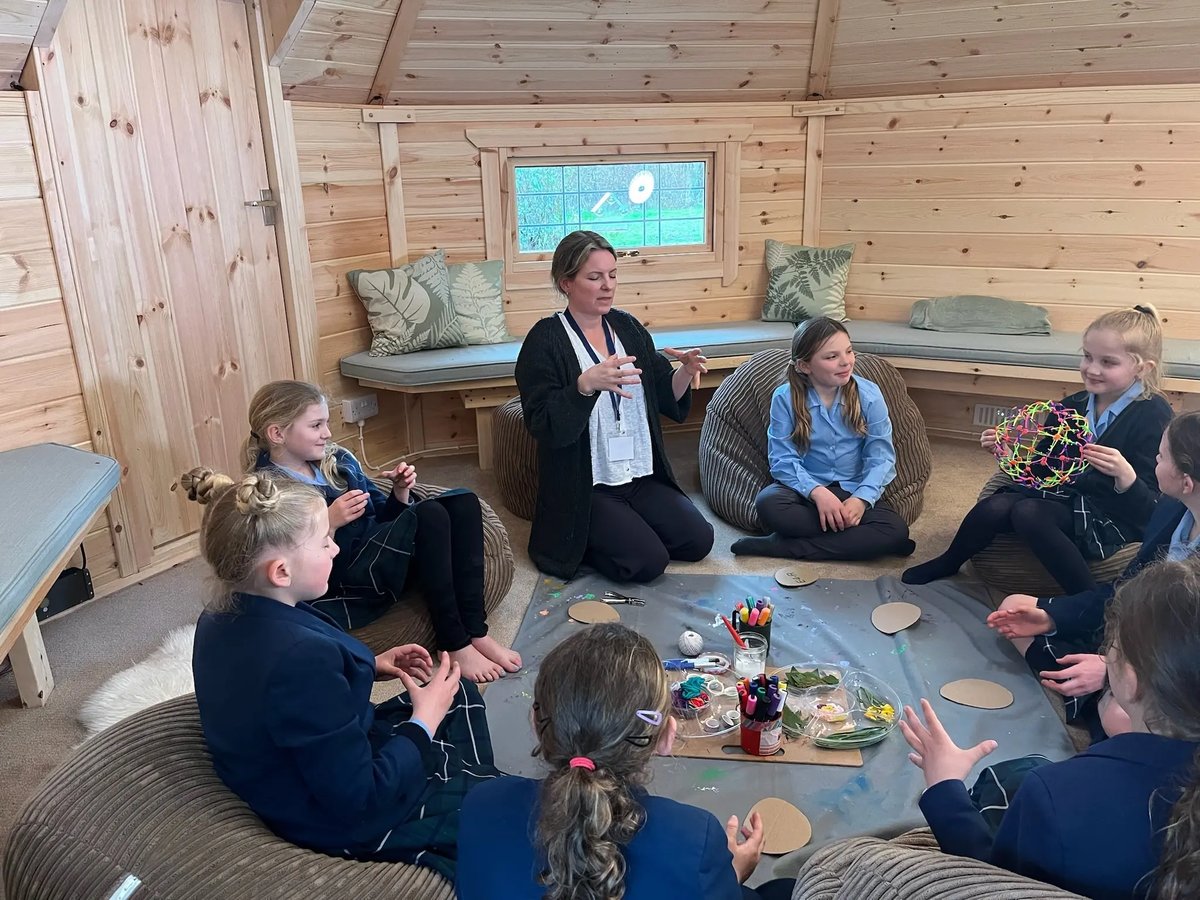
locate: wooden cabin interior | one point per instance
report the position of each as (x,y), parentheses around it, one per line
(1039,150)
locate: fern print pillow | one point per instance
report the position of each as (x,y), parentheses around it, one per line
(409,307)
(806,282)
(477,295)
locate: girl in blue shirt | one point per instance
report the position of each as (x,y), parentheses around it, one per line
(1121,819)
(830,449)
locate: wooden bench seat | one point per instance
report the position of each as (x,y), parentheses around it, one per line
(52,495)
(1032,366)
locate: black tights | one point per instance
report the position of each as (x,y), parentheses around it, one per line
(1044,525)
(447,567)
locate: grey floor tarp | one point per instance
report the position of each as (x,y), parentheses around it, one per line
(829,622)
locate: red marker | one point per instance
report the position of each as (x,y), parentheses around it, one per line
(737,638)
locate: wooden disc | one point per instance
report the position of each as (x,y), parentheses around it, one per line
(978,693)
(794,576)
(785,827)
(892,617)
(593,612)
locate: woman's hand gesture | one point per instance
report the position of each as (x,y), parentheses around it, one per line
(348,507)
(693,361)
(934,753)
(607,375)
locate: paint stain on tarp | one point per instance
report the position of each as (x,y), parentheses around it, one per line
(712,774)
(901,650)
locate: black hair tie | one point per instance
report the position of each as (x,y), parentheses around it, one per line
(1146,311)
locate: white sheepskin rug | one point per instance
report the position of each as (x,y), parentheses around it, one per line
(166,673)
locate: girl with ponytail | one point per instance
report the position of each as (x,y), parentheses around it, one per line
(829,444)
(589,830)
(1120,819)
(285,695)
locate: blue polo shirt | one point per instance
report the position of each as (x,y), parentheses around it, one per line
(863,464)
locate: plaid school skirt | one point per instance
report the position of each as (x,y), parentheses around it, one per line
(459,758)
(369,577)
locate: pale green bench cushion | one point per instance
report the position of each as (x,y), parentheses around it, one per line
(51,492)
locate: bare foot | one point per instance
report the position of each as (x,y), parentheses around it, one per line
(475,666)
(508,659)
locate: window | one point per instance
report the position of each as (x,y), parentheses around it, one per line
(659,193)
(637,205)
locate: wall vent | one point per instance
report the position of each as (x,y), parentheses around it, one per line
(987,414)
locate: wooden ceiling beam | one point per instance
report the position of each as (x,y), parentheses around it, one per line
(393,52)
(283,20)
(822,51)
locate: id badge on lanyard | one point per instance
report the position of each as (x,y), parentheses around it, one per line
(620,446)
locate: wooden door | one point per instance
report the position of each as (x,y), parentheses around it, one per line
(154,125)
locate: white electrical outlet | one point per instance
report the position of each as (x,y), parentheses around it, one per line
(356,409)
(990,415)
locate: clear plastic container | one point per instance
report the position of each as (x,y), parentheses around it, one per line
(857,711)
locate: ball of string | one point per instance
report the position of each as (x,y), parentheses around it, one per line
(1041,445)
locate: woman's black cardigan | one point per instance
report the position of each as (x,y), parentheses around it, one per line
(557,415)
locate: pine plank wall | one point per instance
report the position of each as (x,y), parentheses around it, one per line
(1079,200)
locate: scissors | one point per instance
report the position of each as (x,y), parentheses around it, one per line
(612,597)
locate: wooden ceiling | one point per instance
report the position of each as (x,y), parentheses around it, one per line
(603,51)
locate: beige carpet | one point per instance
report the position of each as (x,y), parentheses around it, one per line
(96,641)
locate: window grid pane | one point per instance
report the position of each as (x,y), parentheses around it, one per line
(634,205)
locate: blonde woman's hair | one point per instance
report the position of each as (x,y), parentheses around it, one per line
(1140,329)
(572,254)
(808,338)
(246,518)
(282,403)
(588,693)
(1153,625)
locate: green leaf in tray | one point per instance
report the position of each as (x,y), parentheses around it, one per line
(803,679)
(848,740)
(793,722)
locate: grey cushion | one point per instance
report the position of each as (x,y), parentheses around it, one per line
(980,315)
(1059,350)
(1055,351)
(51,491)
(499,360)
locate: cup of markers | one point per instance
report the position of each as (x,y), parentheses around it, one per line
(754,617)
(761,702)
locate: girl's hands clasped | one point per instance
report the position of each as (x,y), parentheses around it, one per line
(348,507)
(432,701)
(934,753)
(411,659)
(830,509)
(607,375)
